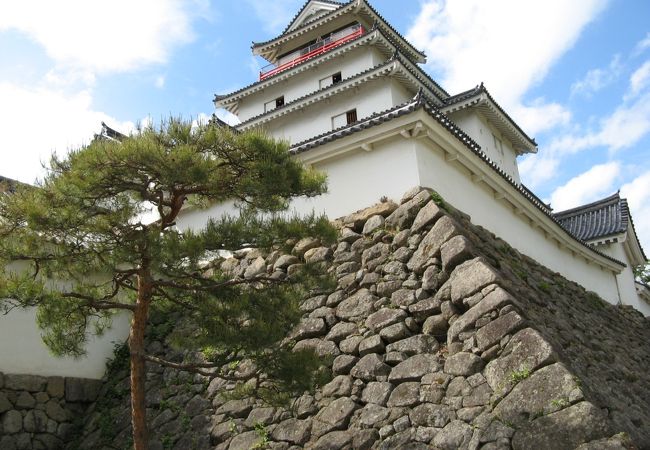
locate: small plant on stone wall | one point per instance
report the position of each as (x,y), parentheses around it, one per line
(518,375)
(438,200)
(560,403)
(263,434)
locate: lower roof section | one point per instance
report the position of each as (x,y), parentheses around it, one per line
(488,171)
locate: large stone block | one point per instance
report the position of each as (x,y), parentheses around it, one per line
(426,216)
(29,383)
(470,277)
(547,390)
(455,251)
(463,363)
(404,215)
(81,389)
(414,368)
(494,300)
(360,304)
(334,416)
(384,317)
(526,351)
(414,345)
(356,220)
(456,435)
(444,229)
(564,429)
(293,431)
(494,331)
(369,367)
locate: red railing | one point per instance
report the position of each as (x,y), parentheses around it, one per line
(313,50)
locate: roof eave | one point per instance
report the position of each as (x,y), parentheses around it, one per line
(265,48)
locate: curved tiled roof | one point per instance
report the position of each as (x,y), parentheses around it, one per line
(599,219)
(419,102)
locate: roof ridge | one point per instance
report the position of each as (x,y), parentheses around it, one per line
(304,6)
(597,204)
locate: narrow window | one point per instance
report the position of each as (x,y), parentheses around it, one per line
(351,116)
(270,106)
(330,80)
(346,118)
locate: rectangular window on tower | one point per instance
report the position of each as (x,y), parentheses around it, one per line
(270,106)
(346,118)
(330,80)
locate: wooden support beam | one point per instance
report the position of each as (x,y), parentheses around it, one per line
(477,178)
(449,157)
(367,147)
(406,134)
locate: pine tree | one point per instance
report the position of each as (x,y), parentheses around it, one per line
(99,236)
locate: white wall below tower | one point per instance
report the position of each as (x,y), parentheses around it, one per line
(22,350)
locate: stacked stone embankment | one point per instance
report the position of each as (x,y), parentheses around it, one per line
(438,336)
(42,412)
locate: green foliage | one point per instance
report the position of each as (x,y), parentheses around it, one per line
(642,273)
(263,433)
(518,375)
(438,200)
(544,286)
(98,236)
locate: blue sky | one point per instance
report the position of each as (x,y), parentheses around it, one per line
(574,74)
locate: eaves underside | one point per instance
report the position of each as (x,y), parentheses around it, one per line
(393,67)
(375,37)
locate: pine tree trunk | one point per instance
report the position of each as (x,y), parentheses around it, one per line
(138,369)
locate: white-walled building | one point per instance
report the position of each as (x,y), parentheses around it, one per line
(348,93)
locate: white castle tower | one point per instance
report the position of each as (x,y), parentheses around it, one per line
(347,91)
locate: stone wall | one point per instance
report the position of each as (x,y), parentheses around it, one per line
(42,413)
(437,336)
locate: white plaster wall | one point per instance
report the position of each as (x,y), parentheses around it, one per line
(316,119)
(355,181)
(477,200)
(22,350)
(478,128)
(626,278)
(349,64)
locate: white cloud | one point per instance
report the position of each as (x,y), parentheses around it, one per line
(639,80)
(103,37)
(508,44)
(642,45)
(586,187)
(275,14)
(637,193)
(597,79)
(624,128)
(538,169)
(160,81)
(539,116)
(42,121)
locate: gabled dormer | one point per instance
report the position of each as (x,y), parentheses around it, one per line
(311,10)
